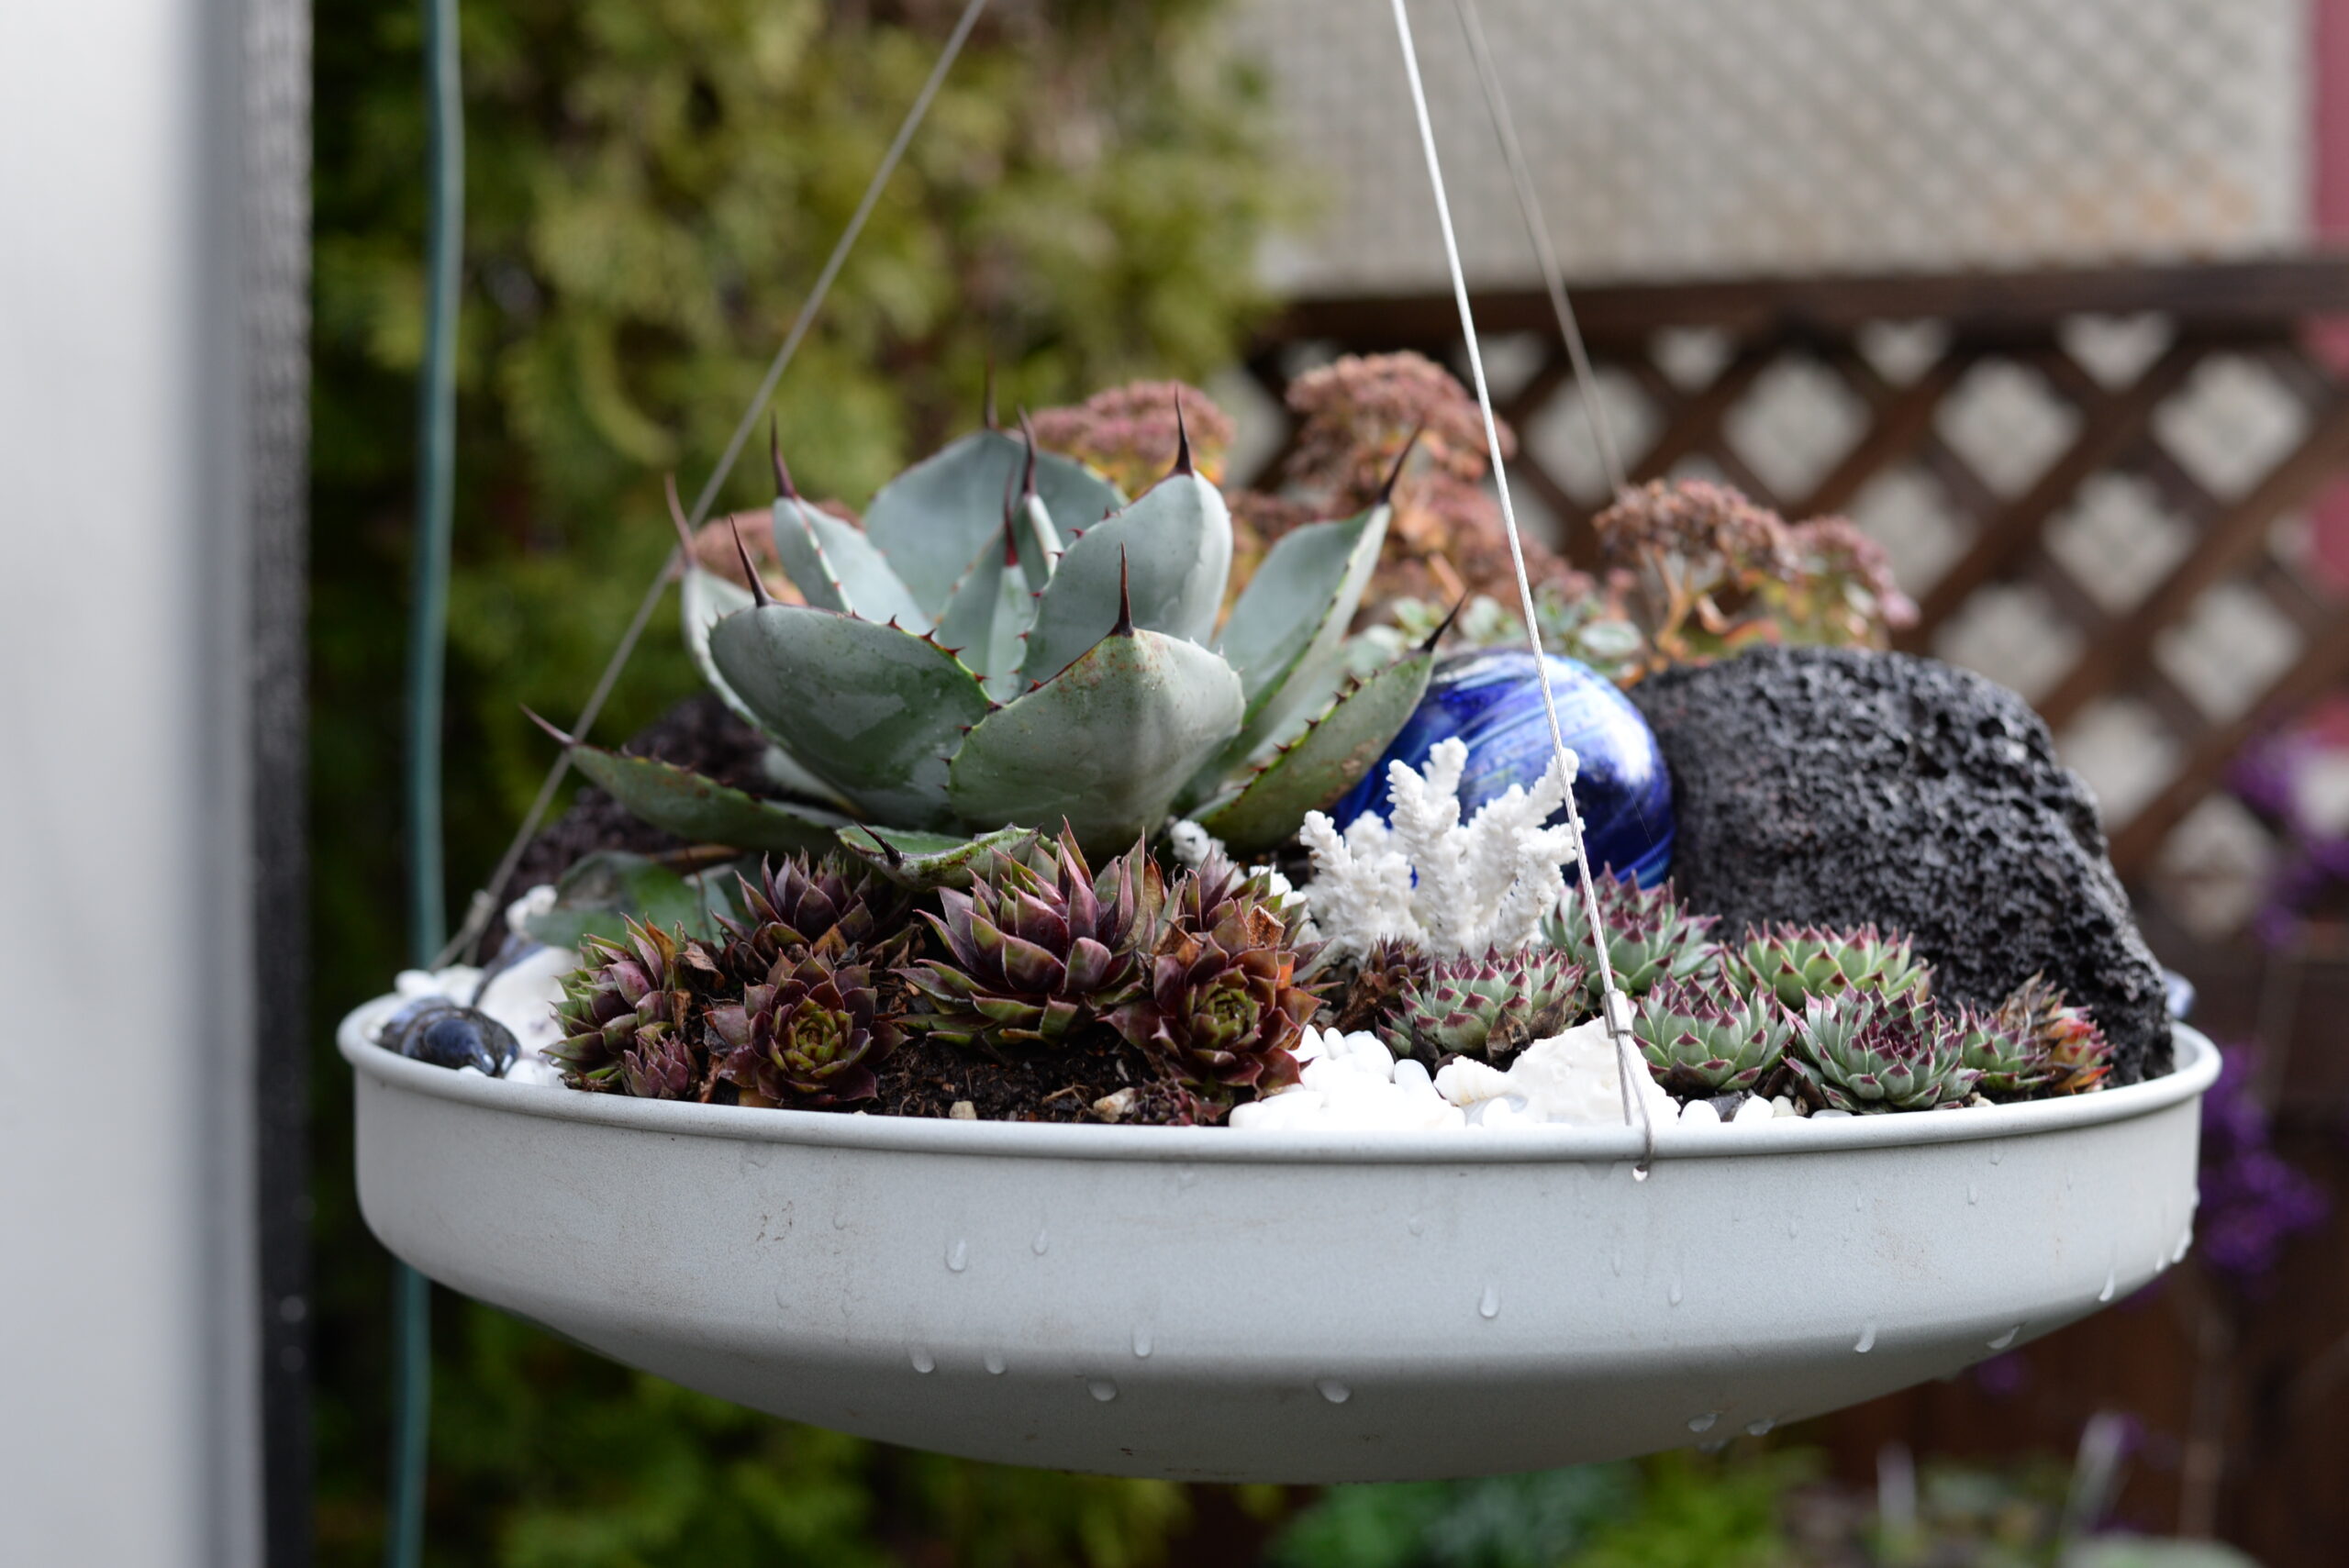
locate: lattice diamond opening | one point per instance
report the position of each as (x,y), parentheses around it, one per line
(2007,423)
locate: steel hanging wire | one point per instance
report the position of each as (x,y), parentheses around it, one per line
(1615,1008)
(1545,254)
(428,648)
(484,903)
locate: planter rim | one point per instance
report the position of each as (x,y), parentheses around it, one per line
(2196,1067)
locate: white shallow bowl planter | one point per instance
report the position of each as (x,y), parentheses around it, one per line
(1202,1303)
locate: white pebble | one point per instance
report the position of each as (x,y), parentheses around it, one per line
(1699,1114)
(1412,1074)
(1830,1116)
(1784,1107)
(1754,1111)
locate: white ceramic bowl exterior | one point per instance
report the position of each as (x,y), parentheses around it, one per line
(1202,1303)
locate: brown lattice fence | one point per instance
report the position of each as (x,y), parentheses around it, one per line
(2126,454)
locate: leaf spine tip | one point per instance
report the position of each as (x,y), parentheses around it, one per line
(1125,627)
(784,489)
(1387,491)
(560,737)
(759,594)
(677,517)
(1181,442)
(1444,625)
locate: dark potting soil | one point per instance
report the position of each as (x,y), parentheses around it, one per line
(924,1078)
(1843,787)
(699,733)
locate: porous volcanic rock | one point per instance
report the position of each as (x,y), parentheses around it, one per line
(1839,787)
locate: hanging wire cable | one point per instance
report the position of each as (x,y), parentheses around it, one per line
(1537,229)
(486,899)
(436,440)
(1614,1007)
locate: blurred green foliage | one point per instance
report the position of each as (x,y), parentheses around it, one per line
(651,185)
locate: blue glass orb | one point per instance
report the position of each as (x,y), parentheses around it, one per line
(1492,702)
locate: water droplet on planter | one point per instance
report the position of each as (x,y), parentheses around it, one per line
(1972,1194)
(923,1361)
(1672,1297)
(1859,1201)
(1713,1445)
(2111,1280)
(1417,1225)
(1336,1393)
(995,1363)
(1997,1150)
(958,1256)
(1185,1175)
(2003,1340)
(1760,1428)
(1615,1262)
(1489,1305)
(1639,1174)
(755,1156)
(1102,1389)
(839,1220)
(1867,1338)
(1704,1423)
(1791,1227)
(1043,1241)
(1142,1343)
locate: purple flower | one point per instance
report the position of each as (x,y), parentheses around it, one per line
(2253,1201)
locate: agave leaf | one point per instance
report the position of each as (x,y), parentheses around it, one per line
(933,859)
(1039,543)
(933,519)
(699,810)
(989,612)
(1174,547)
(836,567)
(602,891)
(1330,758)
(871,710)
(1287,633)
(1105,744)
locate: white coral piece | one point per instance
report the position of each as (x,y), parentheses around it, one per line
(1424,876)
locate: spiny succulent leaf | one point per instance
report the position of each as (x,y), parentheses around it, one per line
(988,613)
(1040,542)
(1173,547)
(836,567)
(1288,630)
(704,599)
(1333,754)
(699,810)
(1105,744)
(873,711)
(934,859)
(933,519)
(603,891)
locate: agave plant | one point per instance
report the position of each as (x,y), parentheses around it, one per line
(1489,1007)
(628,1015)
(1221,1007)
(1806,962)
(1650,935)
(1008,641)
(1701,1036)
(1854,1052)
(1032,958)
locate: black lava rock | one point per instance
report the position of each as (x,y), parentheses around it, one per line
(1841,787)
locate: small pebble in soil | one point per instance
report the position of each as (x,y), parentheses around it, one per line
(1113,1108)
(962,1110)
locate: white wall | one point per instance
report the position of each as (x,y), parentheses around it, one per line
(127,1426)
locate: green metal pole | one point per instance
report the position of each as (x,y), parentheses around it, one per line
(436,421)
